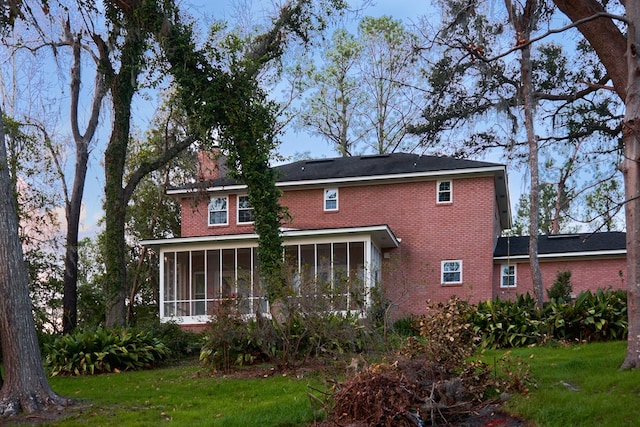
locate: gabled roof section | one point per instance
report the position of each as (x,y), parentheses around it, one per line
(563,245)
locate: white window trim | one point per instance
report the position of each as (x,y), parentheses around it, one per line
(324,199)
(209,212)
(442,272)
(438,201)
(515,276)
(238,210)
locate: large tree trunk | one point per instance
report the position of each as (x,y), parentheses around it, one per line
(122,87)
(631,170)
(25,387)
(611,47)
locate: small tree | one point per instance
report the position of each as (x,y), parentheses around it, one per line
(561,288)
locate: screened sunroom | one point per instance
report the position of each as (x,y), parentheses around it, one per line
(334,268)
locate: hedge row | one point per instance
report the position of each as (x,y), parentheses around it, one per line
(592,316)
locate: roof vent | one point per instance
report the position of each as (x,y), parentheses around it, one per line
(375,156)
(563,236)
(310,162)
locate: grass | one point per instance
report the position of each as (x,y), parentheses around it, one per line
(578,385)
(182,396)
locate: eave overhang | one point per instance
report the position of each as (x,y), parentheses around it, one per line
(381,235)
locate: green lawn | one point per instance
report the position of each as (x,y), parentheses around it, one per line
(183,396)
(579,385)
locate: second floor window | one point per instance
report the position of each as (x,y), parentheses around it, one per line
(331,199)
(245,210)
(218,211)
(444,192)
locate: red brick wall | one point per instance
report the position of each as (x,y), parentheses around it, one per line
(589,274)
(461,230)
(195,218)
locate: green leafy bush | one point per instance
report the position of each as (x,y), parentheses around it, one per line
(561,288)
(181,343)
(333,335)
(101,351)
(230,340)
(592,316)
(599,316)
(406,327)
(505,323)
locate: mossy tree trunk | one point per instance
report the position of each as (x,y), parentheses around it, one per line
(122,85)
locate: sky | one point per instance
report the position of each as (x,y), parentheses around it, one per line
(292,142)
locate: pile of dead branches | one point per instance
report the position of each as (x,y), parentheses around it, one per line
(408,392)
(433,381)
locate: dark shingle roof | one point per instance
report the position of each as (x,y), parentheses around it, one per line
(362,166)
(357,167)
(562,244)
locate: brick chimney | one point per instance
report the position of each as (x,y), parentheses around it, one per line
(211,165)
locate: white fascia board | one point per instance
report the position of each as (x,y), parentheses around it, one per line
(585,254)
(199,239)
(355,179)
(381,231)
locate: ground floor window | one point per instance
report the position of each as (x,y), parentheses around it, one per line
(451,272)
(331,275)
(508,276)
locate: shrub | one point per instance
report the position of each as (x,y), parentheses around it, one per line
(505,324)
(101,351)
(229,340)
(333,335)
(181,343)
(407,327)
(598,316)
(561,288)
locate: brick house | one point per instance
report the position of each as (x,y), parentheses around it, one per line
(417,227)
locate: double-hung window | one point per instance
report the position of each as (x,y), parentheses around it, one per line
(218,211)
(445,193)
(245,210)
(507,276)
(331,199)
(451,272)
